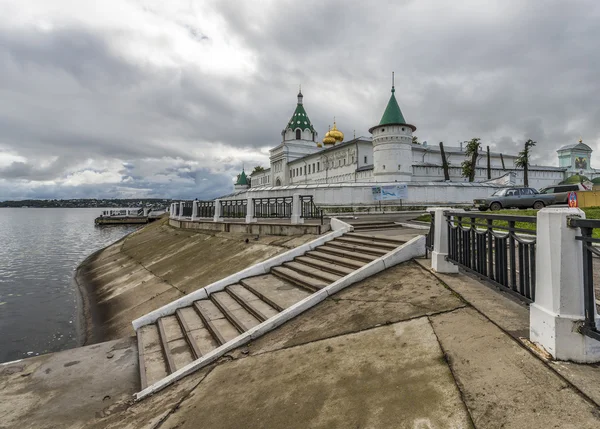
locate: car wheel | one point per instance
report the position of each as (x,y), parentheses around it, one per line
(482,209)
(495,207)
(538,205)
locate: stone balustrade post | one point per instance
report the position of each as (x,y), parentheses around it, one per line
(559,298)
(194,210)
(217,217)
(250,211)
(171,211)
(296,210)
(180,210)
(440,243)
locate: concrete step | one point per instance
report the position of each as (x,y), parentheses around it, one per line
(251,302)
(325,265)
(310,283)
(366,236)
(347,253)
(374,225)
(312,271)
(151,358)
(195,330)
(340,260)
(215,321)
(361,248)
(369,242)
(235,313)
(275,291)
(177,351)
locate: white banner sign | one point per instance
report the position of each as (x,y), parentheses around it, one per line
(394,192)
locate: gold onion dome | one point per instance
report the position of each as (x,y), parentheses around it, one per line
(328,138)
(335,133)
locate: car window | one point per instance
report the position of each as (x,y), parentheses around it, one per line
(573,188)
(511,192)
(526,191)
(547,191)
(533,191)
(499,193)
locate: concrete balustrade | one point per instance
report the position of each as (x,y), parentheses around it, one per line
(439,263)
(296,210)
(218,217)
(558,309)
(194,209)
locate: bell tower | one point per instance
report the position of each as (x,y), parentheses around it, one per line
(392,144)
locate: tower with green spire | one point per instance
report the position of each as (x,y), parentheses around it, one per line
(242,182)
(392,144)
(299,126)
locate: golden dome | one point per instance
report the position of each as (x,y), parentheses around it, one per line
(328,138)
(319,144)
(335,133)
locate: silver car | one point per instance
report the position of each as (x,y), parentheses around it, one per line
(561,192)
(522,198)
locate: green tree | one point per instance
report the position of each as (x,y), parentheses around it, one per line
(522,160)
(415,140)
(257,169)
(472,152)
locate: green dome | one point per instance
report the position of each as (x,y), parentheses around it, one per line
(299,119)
(574,179)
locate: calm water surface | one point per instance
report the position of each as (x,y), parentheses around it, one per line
(39,252)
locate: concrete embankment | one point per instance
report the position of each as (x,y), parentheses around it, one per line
(158,264)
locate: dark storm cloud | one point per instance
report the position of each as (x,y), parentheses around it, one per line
(503,71)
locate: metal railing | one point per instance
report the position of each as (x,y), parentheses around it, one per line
(493,247)
(276,207)
(587,227)
(234,208)
(206,209)
(177,210)
(187,208)
(308,209)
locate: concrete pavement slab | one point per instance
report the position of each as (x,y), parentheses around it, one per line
(389,377)
(504,385)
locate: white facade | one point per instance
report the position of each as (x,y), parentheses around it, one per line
(390,156)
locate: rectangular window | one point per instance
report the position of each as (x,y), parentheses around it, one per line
(365,159)
(305,170)
(318,167)
(313,170)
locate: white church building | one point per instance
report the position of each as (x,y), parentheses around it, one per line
(302,162)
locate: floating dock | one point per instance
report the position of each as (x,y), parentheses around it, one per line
(135,216)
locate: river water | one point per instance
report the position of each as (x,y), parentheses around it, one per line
(39,252)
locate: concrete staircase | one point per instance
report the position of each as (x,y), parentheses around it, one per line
(174,341)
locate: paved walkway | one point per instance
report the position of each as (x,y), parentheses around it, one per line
(402,349)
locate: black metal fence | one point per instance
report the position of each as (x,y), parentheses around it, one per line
(308,209)
(587,227)
(177,209)
(234,208)
(187,208)
(206,209)
(276,207)
(493,247)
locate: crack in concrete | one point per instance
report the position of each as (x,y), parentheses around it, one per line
(448,360)
(183,398)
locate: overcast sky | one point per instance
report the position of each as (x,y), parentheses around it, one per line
(170,98)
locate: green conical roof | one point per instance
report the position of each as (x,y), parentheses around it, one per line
(242,179)
(392,114)
(300,119)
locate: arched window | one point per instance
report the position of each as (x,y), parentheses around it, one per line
(298,135)
(278,182)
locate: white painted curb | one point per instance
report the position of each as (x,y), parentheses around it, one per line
(339,228)
(409,250)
